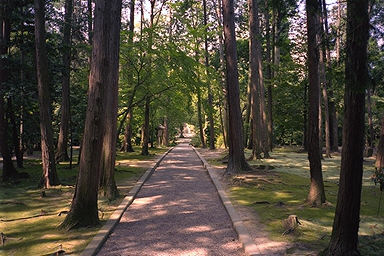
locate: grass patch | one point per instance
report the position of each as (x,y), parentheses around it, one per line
(285,188)
(39,235)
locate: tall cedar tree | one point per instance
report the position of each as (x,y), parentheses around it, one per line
(344,238)
(127,144)
(259,125)
(62,144)
(316,194)
(108,156)
(236,159)
(102,81)
(254,79)
(9,170)
(49,177)
(210,97)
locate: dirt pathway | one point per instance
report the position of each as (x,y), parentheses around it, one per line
(177,212)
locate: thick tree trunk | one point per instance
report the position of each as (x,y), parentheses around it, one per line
(145,139)
(380,148)
(236,160)
(259,124)
(108,154)
(344,239)
(254,80)
(316,194)
(62,144)
(49,177)
(102,81)
(210,97)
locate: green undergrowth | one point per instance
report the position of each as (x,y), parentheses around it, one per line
(29,221)
(279,188)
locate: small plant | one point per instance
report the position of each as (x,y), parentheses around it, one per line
(378,178)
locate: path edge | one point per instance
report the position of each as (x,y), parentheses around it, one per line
(102,235)
(247,242)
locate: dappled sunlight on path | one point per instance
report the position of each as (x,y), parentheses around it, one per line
(177,212)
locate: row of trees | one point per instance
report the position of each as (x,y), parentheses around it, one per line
(344,238)
(255,83)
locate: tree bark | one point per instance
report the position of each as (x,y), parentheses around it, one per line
(102,80)
(236,159)
(316,194)
(344,239)
(49,177)
(62,144)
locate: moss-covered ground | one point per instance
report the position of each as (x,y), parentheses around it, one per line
(30,221)
(279,188)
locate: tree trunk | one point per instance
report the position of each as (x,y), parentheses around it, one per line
(108,154)
(165,139)
(259,125)
(305,118)
(49,177)
(344,239)
(316,194)
(15,134)
(210,97)
(380,148)
(199,118)
(127,143)
(332,138)
(144,149)
(371,133)
(254,79)
(102,81)
(236,159)
(62,144)
(128,133)
(9,171)
(90,22)
(269,77)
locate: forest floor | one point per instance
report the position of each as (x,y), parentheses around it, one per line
(30,221)
(278,188)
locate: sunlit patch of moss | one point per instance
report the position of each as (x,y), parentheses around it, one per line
(39,235)
(286,195)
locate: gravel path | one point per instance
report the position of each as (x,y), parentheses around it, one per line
(177,212)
